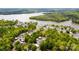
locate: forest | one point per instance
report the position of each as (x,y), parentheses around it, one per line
(17,36)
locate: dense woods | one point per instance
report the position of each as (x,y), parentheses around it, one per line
(46,38)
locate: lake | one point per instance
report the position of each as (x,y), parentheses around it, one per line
(25,18)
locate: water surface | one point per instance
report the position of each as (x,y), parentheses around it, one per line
(25,18)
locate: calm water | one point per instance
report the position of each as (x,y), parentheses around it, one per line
(19,17)
(25,18)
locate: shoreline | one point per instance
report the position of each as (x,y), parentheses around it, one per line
(25,18)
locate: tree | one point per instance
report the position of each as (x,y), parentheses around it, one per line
(33,48)
(24,47)
(31,26)
(46,45)
(17,46)
(27,38)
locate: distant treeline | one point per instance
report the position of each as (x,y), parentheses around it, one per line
(6,11)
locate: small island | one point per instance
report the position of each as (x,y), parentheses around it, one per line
(54,16)
(59,16)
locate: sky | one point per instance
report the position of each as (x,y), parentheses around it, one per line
(39,3)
